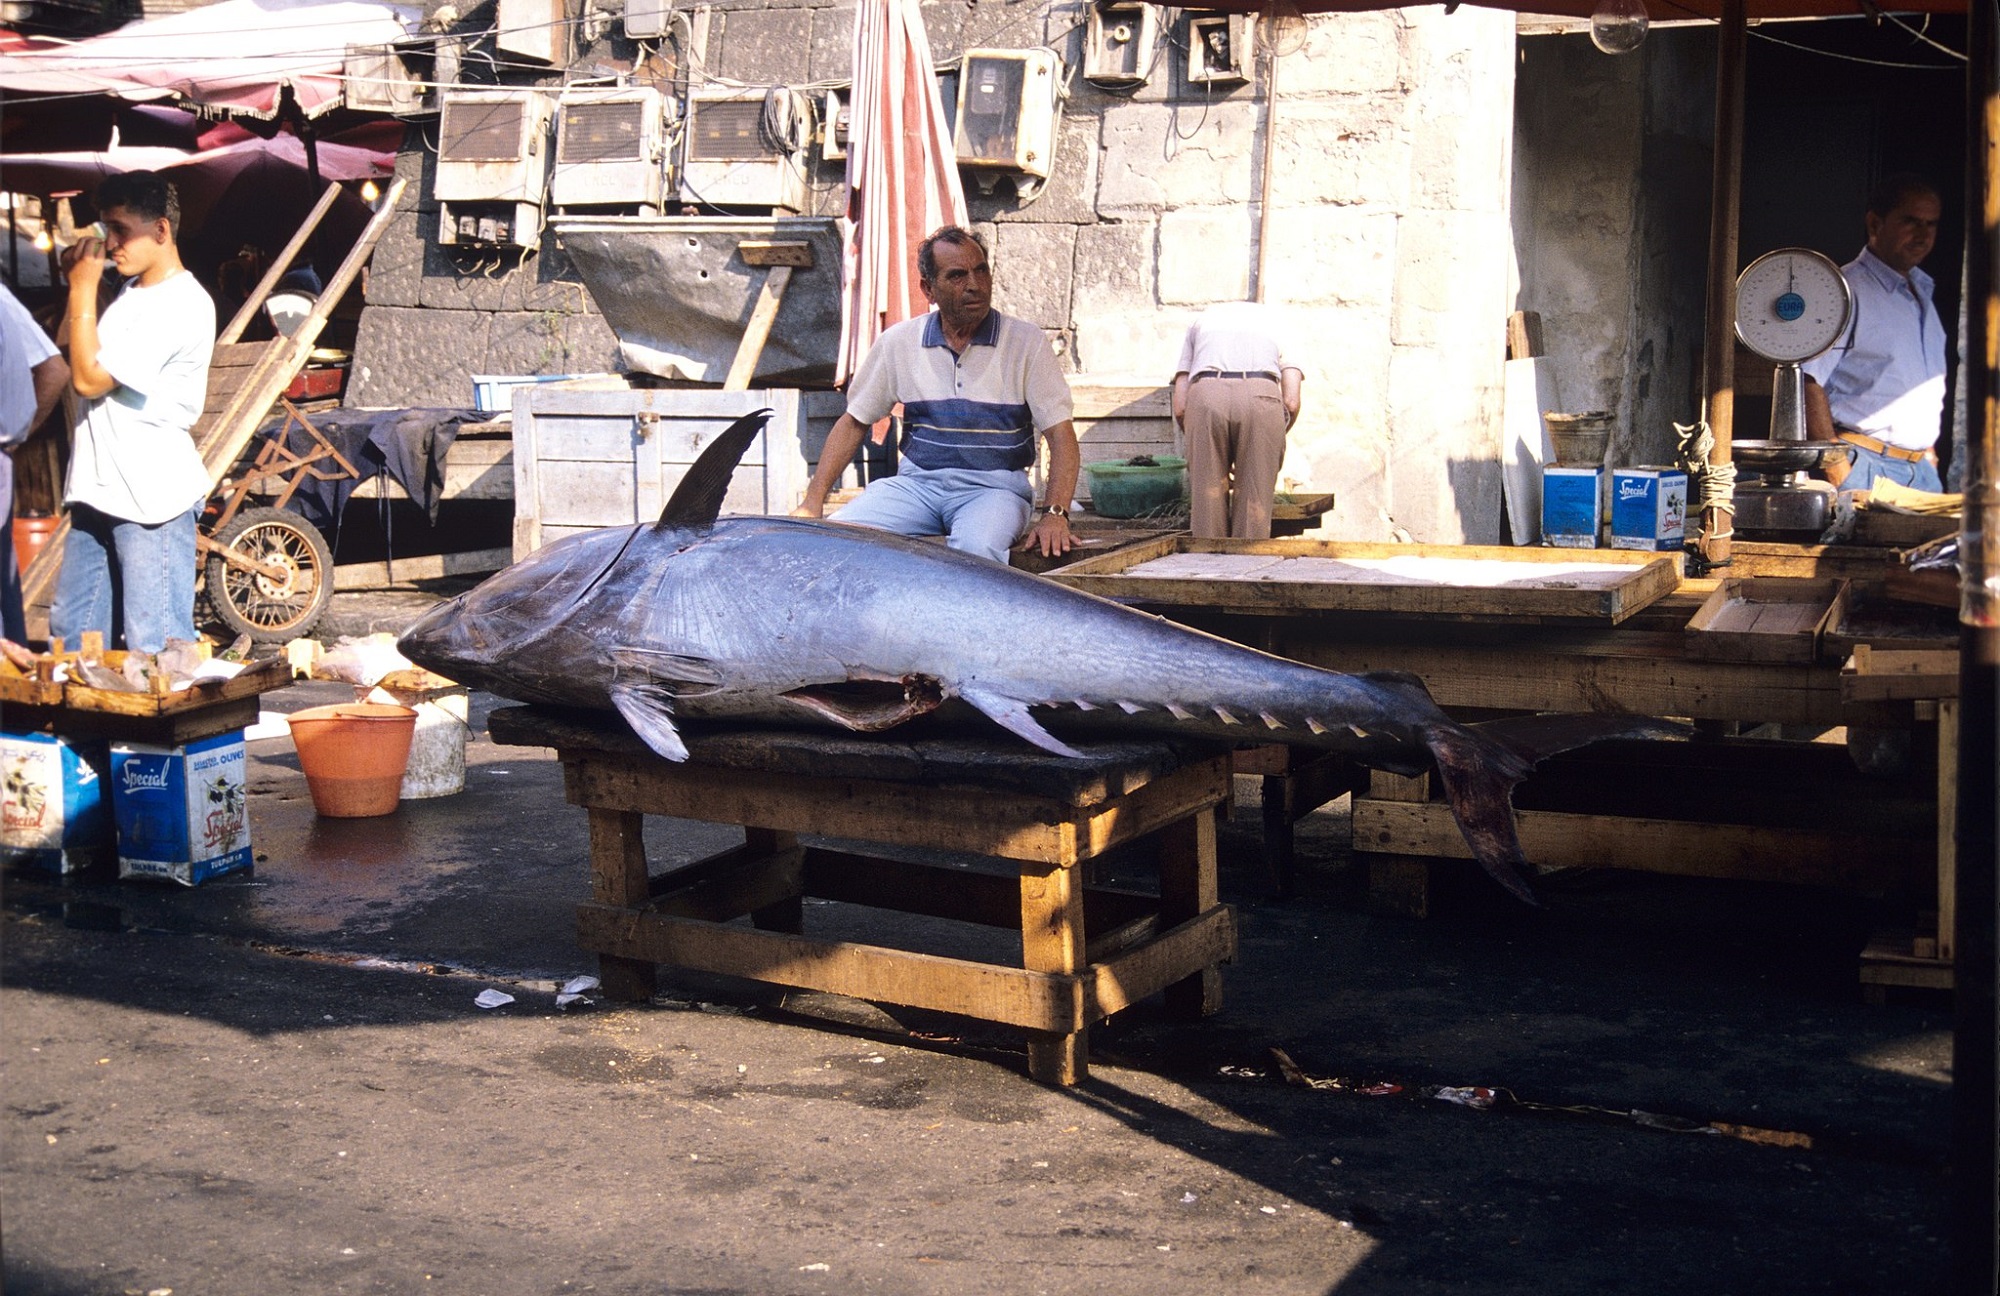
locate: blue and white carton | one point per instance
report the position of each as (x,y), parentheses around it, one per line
(55,812)
(1648,508)
(1572,497)
(182,812)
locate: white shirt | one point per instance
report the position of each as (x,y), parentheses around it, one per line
(135,457)
(1234,337)
(23,345)
(980,410)
(1885,377)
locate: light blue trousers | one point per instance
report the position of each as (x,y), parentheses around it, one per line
(1870,467)
(127,580)
(983,513)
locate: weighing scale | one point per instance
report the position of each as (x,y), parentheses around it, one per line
(1791,305)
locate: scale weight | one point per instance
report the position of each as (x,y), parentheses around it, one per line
(1792,304)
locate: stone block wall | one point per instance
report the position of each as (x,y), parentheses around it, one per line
(1390,246)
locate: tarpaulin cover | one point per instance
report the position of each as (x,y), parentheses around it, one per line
(235,57)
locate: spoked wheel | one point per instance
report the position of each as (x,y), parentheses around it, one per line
(291,586)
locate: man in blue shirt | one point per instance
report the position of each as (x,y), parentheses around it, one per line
(1880,390)
(976,388)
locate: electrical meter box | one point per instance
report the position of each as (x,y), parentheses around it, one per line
(645,19)
(374,78)
(1009,106)
(492,167)
(738,150)
(1119,42)
(533,29)
(835,118)
(610,149)
(1219,49)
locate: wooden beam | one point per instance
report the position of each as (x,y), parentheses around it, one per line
(1725,202)
(279,264)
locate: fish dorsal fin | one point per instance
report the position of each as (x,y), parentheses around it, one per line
(697,501)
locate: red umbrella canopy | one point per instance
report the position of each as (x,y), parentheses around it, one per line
(902,174)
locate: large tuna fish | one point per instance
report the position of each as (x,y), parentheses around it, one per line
(779,619)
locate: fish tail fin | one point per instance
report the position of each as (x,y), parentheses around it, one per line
(1481,764)
(1479,775)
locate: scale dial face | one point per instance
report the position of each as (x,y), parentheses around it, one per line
(1791,305)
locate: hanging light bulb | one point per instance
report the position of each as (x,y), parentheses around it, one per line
(1617,26)
(370,191)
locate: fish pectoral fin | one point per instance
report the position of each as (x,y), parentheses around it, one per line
(1479,777)
(1012,714)
(871,705)
(650,712)
(681,676)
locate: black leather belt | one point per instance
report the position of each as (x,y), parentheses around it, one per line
(1232,373)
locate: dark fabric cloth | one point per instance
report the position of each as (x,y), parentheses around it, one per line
(408,444)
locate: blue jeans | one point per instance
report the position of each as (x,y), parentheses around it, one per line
(130,581)
(984,513)
(1869,467)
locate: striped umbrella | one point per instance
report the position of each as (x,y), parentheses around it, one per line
(902,174)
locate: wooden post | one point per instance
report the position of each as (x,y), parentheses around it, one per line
(1725,202)
(1052,940)
(279,265)
(780,257)
(1975,1086)
(618,877)
(789,914)
(1188,889)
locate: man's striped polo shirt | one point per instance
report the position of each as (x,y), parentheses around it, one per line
(980,410)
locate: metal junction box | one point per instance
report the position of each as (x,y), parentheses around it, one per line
(373,78)
(533,29)
(492,168)
(1008,109)
(610,149)
(1219,49)
(1119,43)
(585,460)
(735,156)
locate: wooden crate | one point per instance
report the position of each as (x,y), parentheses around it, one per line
(584,460)
(1453,582)
(1767,619)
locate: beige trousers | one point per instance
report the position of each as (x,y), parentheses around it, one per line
(1235,442)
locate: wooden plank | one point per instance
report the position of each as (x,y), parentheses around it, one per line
(1104,401)
(1010,996)
(757,331)
(1196,945)
(422,567)
(1188,889)
(1524,335)
(279,265)
(1007,826)
(1879,674)
(1468,582)
(961,894)
(1837,859)
(754,879)
(1052,941)
(1766,618)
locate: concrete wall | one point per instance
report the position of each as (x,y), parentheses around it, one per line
(1390,253)
(1612,161)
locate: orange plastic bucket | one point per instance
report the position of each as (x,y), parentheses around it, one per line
(30,535)
(354,755)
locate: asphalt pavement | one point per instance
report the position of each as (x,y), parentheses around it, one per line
(281,1082)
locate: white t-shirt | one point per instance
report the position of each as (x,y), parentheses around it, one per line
(23,345)
(1234,337)
(135,457)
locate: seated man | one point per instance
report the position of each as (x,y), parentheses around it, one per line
(976,387)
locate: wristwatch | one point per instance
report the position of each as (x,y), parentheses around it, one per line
(1059,511)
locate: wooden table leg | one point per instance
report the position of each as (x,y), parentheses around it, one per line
(787,915)
(1187,890)
(1280,852)
(618,877)
(1052,940)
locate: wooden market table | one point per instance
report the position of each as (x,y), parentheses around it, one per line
(1086,952)
(1734,804)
